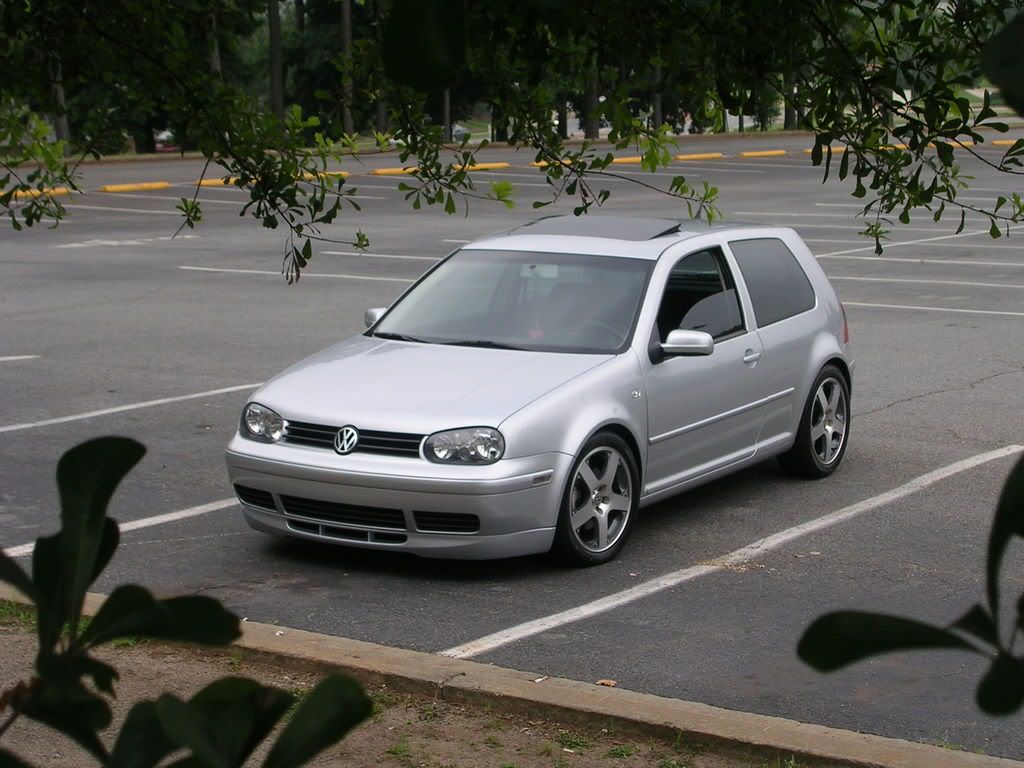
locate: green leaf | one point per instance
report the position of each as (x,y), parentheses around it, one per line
(994,231)
(87,476)
(141,742)
(332,709)
(224,722)
(838,639)
(13,574)
(1008,522)
(132,611)
(1001,690)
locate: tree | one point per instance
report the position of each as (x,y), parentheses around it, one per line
(865,75)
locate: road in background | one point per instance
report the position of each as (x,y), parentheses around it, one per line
(106,314)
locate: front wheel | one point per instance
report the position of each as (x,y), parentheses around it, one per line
(600,502)
(824,428)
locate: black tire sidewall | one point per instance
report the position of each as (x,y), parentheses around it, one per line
(566,546)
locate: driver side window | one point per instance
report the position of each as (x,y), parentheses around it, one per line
(700,295)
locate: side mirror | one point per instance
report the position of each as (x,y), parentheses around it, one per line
(681,342)
(371,316)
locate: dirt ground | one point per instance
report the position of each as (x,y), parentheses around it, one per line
(406,731)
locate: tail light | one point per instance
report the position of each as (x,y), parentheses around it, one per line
(846,325)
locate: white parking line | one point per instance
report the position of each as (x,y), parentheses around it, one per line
(121,210)
(389,255)
(13,358)
(128,407)
(952,262)
(737,557)
(456,241)
(898,244)
(924,281)
(305,274)
(23,550)
(958,310)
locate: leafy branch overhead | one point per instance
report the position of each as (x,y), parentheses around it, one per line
(70,688)
(882,84)
(839,639)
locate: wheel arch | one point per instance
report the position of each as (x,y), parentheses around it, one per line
(841,364)
(623,431)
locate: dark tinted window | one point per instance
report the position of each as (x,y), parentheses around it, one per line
(700,296)
(776,281)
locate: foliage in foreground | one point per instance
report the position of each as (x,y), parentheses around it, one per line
(69,691)
(841,638)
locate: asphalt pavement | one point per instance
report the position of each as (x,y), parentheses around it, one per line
(162,338)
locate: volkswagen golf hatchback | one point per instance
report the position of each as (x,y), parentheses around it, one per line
(537,388)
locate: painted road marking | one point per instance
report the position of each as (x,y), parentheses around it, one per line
(952,262)
(924,281)
(952,236)
(959,310)
(128,407)
(389,255)
(23,550)
(101,243)
(734,558)
(456,241)
(13,358)
(121,210)
(305,274)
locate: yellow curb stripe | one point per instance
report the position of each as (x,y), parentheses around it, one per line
(835,150)
(142,186)
(482,167)
(1004,142)
(630,160)
(893,147)
(217,182)
(393,171)
(45,192)
(309,176)
(546,163)
(701,156)
(764,153)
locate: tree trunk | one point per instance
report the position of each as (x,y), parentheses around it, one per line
(60,117)
(789,121)
(300,15)
(563,119)
(213,45)
(446,114)
(591,120)
(346,82)
(656,116)
(276,75)
(740,124)
(382,105)
(499,125)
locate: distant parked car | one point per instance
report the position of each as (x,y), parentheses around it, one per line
(538,387)
(164,142)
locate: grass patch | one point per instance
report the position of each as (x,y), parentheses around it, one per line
(401,749)
(676,762)
(129,641)
(299,695)
(573,741)
(16,615)
(622,750)
(493,742)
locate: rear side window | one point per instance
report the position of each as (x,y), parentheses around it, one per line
(776,281)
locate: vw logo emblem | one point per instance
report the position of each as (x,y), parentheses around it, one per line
(346,440)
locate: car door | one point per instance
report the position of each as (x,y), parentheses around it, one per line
(782,299)
(703,411)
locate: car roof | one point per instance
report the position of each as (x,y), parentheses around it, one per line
(603,235)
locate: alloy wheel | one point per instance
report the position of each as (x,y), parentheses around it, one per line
(829,418)
(601,499)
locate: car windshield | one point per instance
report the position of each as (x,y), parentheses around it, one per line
(553,302)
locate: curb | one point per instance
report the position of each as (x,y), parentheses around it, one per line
(26,194)
(142,186)
(573,702)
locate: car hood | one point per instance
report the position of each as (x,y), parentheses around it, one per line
(399,386)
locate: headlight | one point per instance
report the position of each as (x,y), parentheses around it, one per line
(261,423)
(473,445)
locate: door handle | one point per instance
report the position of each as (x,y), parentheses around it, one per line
(750,356)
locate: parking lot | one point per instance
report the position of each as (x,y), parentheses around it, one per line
(109,326)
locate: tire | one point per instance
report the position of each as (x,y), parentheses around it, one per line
(824,430)
(604,510)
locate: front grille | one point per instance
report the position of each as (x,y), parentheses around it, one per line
(347,514)
(446,522)
(254,497)
(370,441)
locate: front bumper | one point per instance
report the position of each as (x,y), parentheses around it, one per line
(515,500)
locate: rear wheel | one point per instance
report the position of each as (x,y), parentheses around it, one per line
(600,502)
(824,428)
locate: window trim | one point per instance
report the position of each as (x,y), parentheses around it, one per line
(753,309)
(728,283)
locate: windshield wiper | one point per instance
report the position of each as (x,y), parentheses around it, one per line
(479,343)
(400,337)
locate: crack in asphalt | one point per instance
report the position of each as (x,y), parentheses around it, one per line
(962,388)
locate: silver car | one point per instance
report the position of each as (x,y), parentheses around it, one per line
(538,387)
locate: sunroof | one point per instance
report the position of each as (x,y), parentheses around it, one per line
(616,227)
